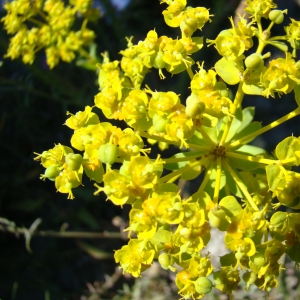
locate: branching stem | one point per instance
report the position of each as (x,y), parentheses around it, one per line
(179,171)
(272,125)
(240,184)
(260,160)
(237,102)
(218,181)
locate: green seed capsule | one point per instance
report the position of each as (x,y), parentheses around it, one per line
(203,285)
(52,172)
(159,123)
(108,153)
(164,260)
(159,63)
(254,61)
(276,16)
(74,161)
(290,195)
(258,259)
(249,277)
(194,106)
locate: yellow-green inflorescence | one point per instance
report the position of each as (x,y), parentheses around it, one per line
(242,185)
(38,24)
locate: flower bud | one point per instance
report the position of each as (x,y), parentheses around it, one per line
(203,285)
(276,16)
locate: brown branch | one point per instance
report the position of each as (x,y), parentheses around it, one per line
(9,226)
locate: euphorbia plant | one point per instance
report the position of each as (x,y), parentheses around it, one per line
(242,185)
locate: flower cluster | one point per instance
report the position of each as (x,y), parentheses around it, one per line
(242,185)
(47,24)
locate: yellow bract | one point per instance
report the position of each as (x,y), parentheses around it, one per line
(38,25)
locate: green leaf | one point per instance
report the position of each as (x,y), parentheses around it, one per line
(251,150)
(248,115)
(231,206)
(279,222)
(253,182)
(243,165)
(252,127)
(212,132)
(191,173)
(177,165)
(161,237)
(294,253)
(232,185)
(235,125)
(96,175)
(275,176)
(253,86)
(280,45)
(286,149)
(228,259)
(239,114)
(229,71)
(94,251)
(198,44)
(204,200)
(297,93)
(197,138)
(166,187)
(209,120)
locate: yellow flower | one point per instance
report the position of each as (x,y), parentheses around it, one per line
(135,257)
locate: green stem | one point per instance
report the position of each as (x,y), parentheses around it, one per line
(261,46)
(179,172)
(162,139)
(37,22)
(206,178)
(83,25)
(272,125)
(42,14)
(261,39)
(173,179)
(260,160)
(270,27)
(190,72)
(241,185)
(277,38)
(157,138)
(236,103)
(288,160)
(84,53)
(218,180)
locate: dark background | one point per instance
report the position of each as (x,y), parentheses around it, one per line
(33,105)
